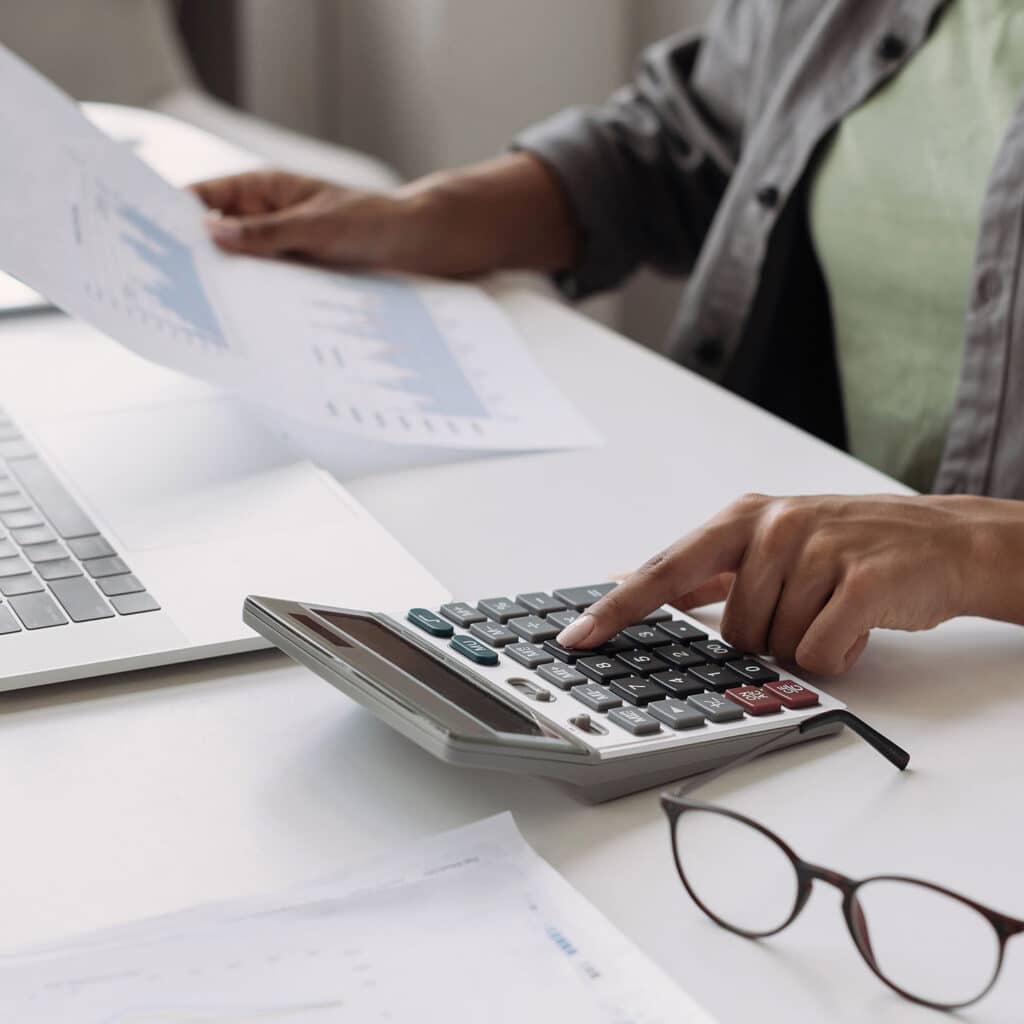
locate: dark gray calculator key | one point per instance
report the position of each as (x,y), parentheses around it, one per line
(644,635)
(81,600)
(596,697)
(97,568)
(38,611)
(64,513)
(642,662)
(717,677)
(91,547)
(11,586)
(51,552)
(583,597)
(637,690)
(112,586)
(13,567)
(467,646)
(682,632)
(8,623)
(61,569)
(562,676)
(715,708)
(430,622)
(33,535)
(680,657)
(563,619)
(7,549)
(658,615)
(493,633)
(754,671)
(14,502)
(540,603)
(533,628)
(462,614)
(680,683)
(615,645)
(501,609)
(22,518)
(716,650)
(676,714)
(135,604)
(633,720)
(570,657)
(529,655)
(602,669)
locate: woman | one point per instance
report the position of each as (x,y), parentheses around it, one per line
(842,182)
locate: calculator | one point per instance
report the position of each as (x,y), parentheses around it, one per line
(485,684)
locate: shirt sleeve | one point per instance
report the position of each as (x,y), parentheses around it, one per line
(644,174)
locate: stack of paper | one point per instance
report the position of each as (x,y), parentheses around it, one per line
(383,360)
(470,926)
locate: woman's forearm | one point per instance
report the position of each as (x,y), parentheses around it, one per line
(506,213)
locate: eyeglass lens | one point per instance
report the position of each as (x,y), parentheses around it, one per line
(738,874)
(928,943)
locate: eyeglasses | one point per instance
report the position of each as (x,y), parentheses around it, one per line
(929,944)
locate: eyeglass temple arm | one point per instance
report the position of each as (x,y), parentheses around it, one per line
(892,752)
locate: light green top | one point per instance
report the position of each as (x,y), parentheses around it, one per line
(895,210)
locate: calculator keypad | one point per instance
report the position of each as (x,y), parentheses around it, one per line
(661,675)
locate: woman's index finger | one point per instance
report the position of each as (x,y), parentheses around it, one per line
(699,556)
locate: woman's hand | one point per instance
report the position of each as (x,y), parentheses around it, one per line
(508,212)
(275,213)
(806,579)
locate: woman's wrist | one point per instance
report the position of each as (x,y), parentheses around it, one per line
(507,213)
(994,569)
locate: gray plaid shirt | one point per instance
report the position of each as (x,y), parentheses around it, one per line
(700,167)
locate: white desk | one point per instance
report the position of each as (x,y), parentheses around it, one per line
(141,794)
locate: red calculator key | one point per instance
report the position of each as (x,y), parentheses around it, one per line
(792,695)
(754,700)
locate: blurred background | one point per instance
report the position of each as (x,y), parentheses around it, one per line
(413,84)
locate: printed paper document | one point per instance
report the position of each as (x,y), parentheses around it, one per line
(466,927)
(412,362)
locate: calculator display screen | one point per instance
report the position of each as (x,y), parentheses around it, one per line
(431,673)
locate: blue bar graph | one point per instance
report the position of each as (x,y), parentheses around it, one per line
(397,316)
(177,286)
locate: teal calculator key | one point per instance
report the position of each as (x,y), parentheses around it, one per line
(429,622)
(474,650)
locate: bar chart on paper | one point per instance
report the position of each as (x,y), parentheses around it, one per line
(426,362)
(140,269)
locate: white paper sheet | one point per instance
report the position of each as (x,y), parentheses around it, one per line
(468,926)
(398,360)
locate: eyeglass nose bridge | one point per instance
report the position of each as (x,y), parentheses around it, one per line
(815,872)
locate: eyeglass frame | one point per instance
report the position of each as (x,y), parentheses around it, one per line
(676,803)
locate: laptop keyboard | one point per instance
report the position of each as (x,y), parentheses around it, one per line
(56,568)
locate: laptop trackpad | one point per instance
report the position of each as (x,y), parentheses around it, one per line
(182,472)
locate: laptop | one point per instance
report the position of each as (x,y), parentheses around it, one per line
(138,507)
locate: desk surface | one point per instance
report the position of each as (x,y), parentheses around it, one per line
(141,794)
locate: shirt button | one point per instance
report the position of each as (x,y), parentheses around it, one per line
(710,351)
(768,196)
(987,288)
(891,47)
